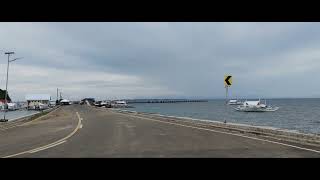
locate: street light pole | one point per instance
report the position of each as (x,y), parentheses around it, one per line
(6,95)
(5,99)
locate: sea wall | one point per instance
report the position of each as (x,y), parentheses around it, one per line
(24,119)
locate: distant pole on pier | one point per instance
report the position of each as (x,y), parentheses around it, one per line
(57,101)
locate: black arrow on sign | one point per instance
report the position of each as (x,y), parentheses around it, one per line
(227,80)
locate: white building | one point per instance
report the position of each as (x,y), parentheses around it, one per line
(38,101)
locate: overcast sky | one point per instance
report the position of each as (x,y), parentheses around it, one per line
(155,60)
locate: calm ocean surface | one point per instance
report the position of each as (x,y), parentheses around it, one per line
(10,115)
(302,115)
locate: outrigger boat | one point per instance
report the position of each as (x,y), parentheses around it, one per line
(255,106)
(234,102)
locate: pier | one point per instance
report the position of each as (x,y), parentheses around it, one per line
(165,100)
(87,131)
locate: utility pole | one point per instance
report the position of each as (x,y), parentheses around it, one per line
(5,99)
(57,101)
(6,95)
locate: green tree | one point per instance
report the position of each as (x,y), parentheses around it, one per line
(3,94)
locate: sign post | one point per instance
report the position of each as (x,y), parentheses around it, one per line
(226,94)
(227,83)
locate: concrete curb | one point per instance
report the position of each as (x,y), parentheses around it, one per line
(25,119)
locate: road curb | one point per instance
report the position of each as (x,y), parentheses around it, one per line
(26,119)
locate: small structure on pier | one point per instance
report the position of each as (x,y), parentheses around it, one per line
(38,101)
(90,101)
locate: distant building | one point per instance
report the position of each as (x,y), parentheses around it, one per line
(89,100)
(38,101)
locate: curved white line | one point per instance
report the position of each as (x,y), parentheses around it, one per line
(56,143)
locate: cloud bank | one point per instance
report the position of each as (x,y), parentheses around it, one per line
(154,60)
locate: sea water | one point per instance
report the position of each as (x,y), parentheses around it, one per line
(301,115)
(11,115)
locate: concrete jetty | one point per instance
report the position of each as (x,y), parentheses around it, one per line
(165,100)
(87,131)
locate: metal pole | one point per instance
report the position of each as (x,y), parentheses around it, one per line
(226,94)
(5,99)
(226,86)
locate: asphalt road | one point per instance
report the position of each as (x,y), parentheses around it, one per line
(83,131)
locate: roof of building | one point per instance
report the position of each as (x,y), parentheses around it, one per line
(38,97)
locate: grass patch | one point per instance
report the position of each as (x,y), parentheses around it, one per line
(38,115)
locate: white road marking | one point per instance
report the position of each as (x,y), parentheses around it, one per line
(47,147)
(81,125)
(264,140)
(56,143)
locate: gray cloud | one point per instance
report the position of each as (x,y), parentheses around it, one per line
(162,59)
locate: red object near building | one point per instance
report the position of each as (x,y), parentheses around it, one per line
(3,101)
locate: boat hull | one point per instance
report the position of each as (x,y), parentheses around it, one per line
(234,103)
(254,109)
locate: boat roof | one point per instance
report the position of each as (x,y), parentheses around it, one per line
(65,100)
(233,100)
(252,102)
(121,101)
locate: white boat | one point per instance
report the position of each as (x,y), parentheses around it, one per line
(234,102)
(42,106)
(100,103)
(255,106)
(12,106)
(119,104)
(65,102)
(9,107)
(103,104)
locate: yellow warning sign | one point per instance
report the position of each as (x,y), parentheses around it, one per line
(227,80)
